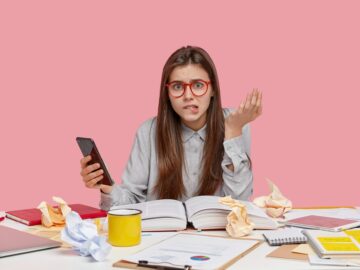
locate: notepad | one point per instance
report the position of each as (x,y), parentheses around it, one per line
(285,236)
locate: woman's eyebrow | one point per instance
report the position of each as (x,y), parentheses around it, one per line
(197,79)
(192,80)
(176,81)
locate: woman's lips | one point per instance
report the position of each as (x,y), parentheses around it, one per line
(192,108)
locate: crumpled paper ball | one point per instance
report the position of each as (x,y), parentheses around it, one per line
(238,220)
(51,216)
(275,204)
(83,236)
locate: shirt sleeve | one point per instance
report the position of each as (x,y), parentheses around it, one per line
(135,178)
(238,183)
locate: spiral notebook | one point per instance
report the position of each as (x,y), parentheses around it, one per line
(285,236)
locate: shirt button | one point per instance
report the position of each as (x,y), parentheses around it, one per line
(195,174)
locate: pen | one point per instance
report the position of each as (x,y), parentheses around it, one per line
(144,263)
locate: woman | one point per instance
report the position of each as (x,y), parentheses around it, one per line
(193,147)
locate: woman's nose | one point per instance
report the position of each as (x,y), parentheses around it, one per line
(187,92)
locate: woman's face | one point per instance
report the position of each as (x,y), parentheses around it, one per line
(192,109)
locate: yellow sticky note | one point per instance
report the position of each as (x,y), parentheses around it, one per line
(355,234)
(340,247)
(335,239)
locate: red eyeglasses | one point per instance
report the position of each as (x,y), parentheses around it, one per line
(198,88)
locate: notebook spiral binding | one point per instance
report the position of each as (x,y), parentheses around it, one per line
(284,237)
(287,240)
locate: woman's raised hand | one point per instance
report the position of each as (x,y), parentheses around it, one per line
(248,111)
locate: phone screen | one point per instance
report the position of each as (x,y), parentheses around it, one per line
(88,147)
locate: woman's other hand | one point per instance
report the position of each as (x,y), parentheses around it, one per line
(92,174)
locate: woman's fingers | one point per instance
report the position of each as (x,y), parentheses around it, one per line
(261,106)
(248,101)
(84,161)
(258,108)
(241,107)
(258,101)
(94,182)
(252,105)
(254,98)
(251,100)
(92,175)
(89,169)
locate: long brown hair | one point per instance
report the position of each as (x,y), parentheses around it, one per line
(169,144)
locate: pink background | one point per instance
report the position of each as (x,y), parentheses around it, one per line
(92,68)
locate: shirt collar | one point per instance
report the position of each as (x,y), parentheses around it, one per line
(188,132)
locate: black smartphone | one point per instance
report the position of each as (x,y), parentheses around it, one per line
(88,147)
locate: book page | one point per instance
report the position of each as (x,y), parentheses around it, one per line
(253,210)
(199,251)
(163,224)
(158,209)
(199,203)
(206,212)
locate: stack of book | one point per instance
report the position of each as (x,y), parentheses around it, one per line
(340,247)
(332,241)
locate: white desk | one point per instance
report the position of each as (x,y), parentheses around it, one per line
(64,258)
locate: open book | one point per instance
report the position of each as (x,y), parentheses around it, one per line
(203,212)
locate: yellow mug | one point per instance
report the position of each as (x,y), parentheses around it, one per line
(124,227)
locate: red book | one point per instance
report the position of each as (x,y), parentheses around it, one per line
(32,216)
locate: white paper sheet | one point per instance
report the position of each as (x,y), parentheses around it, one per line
(199,251)
(315,260)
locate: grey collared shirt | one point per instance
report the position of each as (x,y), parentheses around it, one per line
(140,175)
